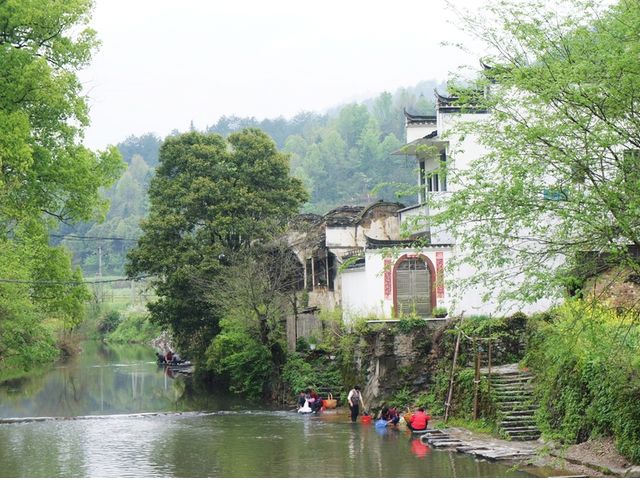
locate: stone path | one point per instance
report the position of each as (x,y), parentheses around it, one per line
(494,450)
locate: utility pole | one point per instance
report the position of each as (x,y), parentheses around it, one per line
(100,271)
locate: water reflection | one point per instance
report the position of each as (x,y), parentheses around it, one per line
(106,381)
(244,444)
(103,380)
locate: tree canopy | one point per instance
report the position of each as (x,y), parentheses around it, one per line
(46,175)
(209,198)
(560,174)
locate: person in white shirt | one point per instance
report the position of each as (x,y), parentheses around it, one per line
(355,399)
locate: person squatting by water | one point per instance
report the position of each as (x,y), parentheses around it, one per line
(419,420)
(302,398)
(354,399)
(315,402)
(390,415)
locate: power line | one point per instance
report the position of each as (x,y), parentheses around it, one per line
(79,237)
(53,282)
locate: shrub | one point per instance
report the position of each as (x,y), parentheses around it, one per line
(584,354)
(109,322)
(406,324)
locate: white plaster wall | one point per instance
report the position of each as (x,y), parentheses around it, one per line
(471,300)
(341,237)
(415,132)
(460,155)
(363,289)
(381,229)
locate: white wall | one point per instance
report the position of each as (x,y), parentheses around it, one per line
(341,237)
(415,132)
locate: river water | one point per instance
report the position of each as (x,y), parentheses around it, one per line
(112,412)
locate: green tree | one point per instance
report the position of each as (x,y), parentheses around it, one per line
(559,176)
(352,119)
(256,295)
(209,198)
(147,146)
(46,175)
(45,170)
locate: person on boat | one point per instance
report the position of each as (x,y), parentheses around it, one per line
(160,359)
(355,399)
(315,402)
(169,356)
(175,359)
(390,415)
(419,420)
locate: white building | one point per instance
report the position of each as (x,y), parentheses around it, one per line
(390,279)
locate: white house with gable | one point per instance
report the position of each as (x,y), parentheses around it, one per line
(389,285)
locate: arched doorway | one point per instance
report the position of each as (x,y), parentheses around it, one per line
(414,290)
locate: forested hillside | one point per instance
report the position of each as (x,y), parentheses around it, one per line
(340,156)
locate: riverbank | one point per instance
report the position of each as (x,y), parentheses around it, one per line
(594,458)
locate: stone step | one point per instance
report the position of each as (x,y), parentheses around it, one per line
(510,377)
(516,418)
(519,424)
(518,413)
(526,438)
(513,393)
(521,429)
(518,404)
(515,414)
(511,386)
(511,381)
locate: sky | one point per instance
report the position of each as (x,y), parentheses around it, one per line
(163,64)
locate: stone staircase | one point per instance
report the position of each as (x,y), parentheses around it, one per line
(512,392)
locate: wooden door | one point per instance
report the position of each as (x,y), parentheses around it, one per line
(413,287)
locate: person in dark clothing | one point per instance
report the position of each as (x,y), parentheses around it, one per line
(315,402)
(302,398)
(160,358)
(355,399)
(390,415)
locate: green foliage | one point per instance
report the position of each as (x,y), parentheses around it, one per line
(439,311)
(301,373)
(406,324)
(585,390)
(109,321)
(402,399)
(241,359)
(47,175)
(132,327)
(302,345)
(429,401)
(561,132)
(209,199)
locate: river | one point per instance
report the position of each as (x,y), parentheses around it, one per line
(112,412)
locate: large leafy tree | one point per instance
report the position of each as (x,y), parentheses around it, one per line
(559,176)
(209,198)
(46,174)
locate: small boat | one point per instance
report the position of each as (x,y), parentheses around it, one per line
(181,364)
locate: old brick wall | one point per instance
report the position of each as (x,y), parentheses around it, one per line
(619,287)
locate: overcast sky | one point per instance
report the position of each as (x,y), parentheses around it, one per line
(164,63)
